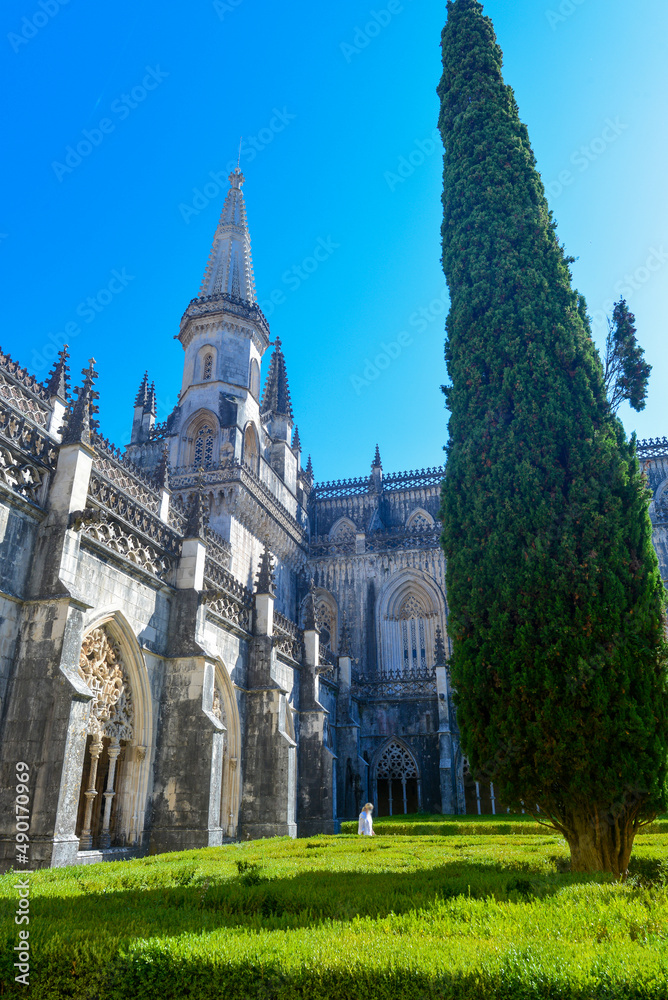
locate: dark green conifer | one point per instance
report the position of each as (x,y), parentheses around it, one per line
(556,603)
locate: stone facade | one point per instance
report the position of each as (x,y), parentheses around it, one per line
(199,643)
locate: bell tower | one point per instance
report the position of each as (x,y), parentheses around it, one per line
(224,335)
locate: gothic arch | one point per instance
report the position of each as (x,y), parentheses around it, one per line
(201,445)
(410,606)
(419,520)
(220,704)
(396,779)
(119,734)
(343,536)
(251,452)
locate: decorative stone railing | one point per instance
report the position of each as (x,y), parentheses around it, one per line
(23,392)
(652,448)
(288,639)
(415,479)
(225,597)
(27,455)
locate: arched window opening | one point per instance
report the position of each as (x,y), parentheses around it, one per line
(254,379)
(110,732)
(327,619)
(203,454)
(251,450)
(207,368)
(397,781)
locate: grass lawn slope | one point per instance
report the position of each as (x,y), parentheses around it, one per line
(334,918)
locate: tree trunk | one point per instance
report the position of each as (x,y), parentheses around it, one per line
(600,841)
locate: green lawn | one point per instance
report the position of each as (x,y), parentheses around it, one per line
(503,824)
(334,918)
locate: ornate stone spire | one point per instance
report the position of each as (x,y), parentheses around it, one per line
(296,443)
(230,267)
(79,417)
(276,397)
(440,656)
(150,404)
(309,469)
(142,395)
(198,512)
(265,583)
(58,379)
(377,464)
(311,623)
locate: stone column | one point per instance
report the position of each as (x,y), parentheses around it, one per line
(187,758)
(109,793)
(269,762)
(315,808)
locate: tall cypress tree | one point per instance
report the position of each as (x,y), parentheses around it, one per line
(556,603)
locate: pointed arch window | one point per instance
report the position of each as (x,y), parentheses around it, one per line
(207,368)
(204,447)
(397,781)
(412,615)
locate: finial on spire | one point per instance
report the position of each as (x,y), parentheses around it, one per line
(440,656)
(241,139)
(142,394)
(198,514)
(311,623)
(236,178)
(79,417)
(58,380)
(296,443)
(264,582)
(276,395)
(309,468)
(150,404)
(377,464)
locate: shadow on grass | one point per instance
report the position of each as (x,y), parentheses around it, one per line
(255,900)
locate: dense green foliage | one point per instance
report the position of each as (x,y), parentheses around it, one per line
(338,917)
(556,603)
(626,372)
(420,824)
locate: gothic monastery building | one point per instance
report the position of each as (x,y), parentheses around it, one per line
(199,643)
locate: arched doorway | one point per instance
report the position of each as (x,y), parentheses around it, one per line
(224,709)
(396,781)
(113,789)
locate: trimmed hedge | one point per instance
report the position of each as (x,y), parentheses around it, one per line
(464,826)
(335,917)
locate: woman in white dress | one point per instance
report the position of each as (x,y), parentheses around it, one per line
(365,826)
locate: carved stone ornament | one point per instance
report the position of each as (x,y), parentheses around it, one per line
(101,666)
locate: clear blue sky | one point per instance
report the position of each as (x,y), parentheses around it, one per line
(332,113)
